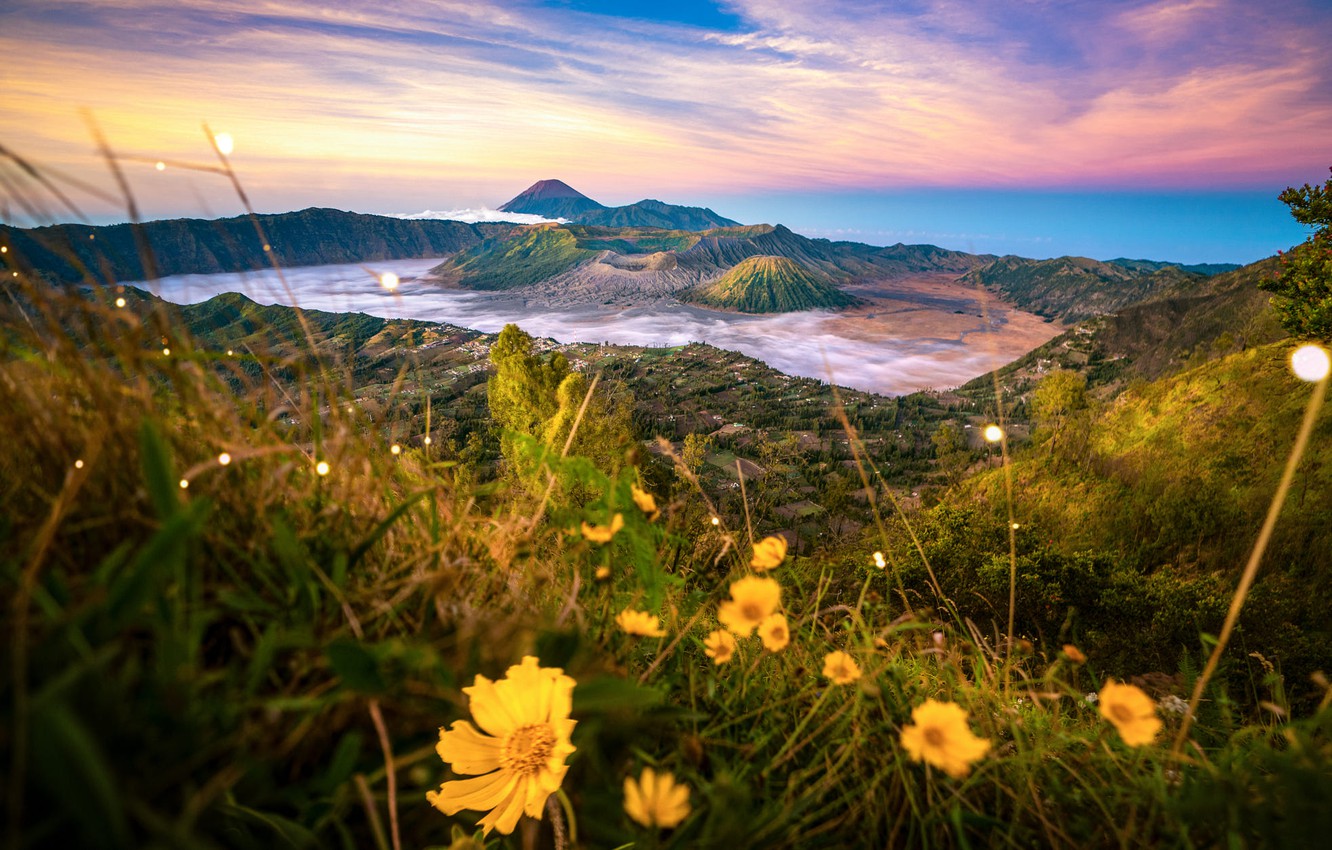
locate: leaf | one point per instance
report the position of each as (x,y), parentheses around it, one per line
(291,833)
(343,762)
(75,771)
(607,693)
(356,665)
(158,472)
(555,649)
(166,549)
(383,527)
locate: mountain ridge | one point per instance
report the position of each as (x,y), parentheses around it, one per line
(73,253)
(1074,288)
(556,199)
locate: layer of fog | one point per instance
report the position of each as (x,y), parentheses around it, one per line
(797,343)
(482,215)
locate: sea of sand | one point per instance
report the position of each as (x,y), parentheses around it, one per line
(913,333)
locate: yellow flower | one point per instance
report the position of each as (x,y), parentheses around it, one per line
(774,632)
(640,623)
(720,646)
(841,668)
(939,736)
(1074,654)
(1132,712)
(603,533)
(752,599)
(655,800)
(526,718)
(602,573)
(644,500)
(768,553)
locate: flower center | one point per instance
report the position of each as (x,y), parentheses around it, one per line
(1121,713)
(751,610)
(527,748)
(934,736)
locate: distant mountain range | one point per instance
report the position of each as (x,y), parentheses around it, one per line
(557,199)
(640,252)
(71,253)
(1157,265)
(719,267)
(1193,320)
(1075,288)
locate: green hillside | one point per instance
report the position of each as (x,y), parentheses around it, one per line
(1074,288)
(1169,467)
(1179,328)
(1168,484)
(310,237)
(633,240)
(768,284)
(531,255)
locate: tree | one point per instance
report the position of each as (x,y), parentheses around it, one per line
(1303,287)
(1059,399)
(950,450)
(696,449)
(523,391)
(539,397)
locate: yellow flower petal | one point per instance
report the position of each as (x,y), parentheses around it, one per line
(774,632)
(633,802)
(768,553)
(644,501)
(504,816)
(640,623)
(603,533)
(656,800)
(525,690)
(939,735)
(488,708)
(1132,712)
(527,713)
(467,750)
(752,599)
(720,646)
(841,668)
(479,792)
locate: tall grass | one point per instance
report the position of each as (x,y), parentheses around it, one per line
(259,652)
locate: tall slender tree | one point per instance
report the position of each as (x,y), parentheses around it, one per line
(1303,287)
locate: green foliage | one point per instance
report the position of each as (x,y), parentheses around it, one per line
(539,397)
(951,451)
(768,284)
(508,262)
(77,253)
(1076,288)
(1303,288)
(1058,406)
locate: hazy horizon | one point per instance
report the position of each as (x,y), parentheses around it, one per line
(1181,228)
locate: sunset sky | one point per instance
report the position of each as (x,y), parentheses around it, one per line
(1160,129)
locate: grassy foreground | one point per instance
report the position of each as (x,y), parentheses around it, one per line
(239,609)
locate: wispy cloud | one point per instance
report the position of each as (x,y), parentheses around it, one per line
(481,215)
(429,103)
